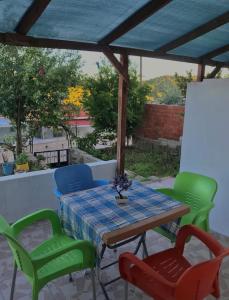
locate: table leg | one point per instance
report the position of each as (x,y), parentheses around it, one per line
(101,255)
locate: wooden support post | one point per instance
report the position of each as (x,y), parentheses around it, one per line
(200,72)
(141,69)
(122,103)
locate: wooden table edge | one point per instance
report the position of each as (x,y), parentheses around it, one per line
(144,225)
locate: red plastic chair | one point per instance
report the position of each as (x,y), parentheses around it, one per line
(168,275)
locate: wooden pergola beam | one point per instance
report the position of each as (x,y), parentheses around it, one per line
(200,72)
(195,33)
(28,41)
(122,70)
(136,18)
(122,114)
(31,15)
(215,52)
(214,72)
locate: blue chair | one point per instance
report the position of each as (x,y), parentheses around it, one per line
(75,178)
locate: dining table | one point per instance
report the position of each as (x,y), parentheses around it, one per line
(95,215)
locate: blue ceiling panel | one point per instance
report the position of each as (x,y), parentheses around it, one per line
(222,57)
(81,20)
(172,21)
(11,11)
(206,43)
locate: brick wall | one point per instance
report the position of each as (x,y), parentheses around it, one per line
(162,121)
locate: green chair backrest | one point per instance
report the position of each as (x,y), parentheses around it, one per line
(195,190)
(21,256)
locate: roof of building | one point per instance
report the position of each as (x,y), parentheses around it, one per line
(193,31)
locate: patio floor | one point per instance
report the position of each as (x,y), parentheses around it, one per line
(80,289)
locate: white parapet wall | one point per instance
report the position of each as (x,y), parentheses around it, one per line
(21,194)
(205,144)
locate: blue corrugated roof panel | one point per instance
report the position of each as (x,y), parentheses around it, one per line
(11,12)
(83,20)
(206,43)
(222,57)
(171,22)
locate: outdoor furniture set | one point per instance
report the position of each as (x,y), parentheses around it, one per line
(91,221)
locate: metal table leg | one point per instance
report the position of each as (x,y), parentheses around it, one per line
(104,247)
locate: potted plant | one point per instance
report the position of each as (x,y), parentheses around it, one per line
(121,183)
(7,167)
(22,163)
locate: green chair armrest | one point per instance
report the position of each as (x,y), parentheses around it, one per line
(44,214)
(87,249)
(202,214)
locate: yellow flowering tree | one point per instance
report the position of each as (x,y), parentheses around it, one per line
(75,96)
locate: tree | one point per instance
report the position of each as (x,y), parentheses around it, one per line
(33,84)
(102,101)
(182,82)
(164,90)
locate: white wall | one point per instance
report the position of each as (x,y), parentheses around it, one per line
(22,194)
(205,144)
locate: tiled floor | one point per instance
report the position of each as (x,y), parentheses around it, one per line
(80,289)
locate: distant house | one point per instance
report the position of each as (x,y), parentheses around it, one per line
(5,128)
(82,119)
(4,122)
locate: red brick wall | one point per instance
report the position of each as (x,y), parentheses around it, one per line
(162,121)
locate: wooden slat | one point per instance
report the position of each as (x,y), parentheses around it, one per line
(200,72)
(173,57)
(136,18)
(28,41)
(144,225)
(195,33)
(31,15)
(118,66)
(215,52)
(122,103)
(214,72)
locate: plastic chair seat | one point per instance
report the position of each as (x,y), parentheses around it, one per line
(59,266)
(168,275)
(168,264)
(57,242)
(55,257)
(198,192)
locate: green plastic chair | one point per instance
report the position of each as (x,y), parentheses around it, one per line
(55,257)
(198,192)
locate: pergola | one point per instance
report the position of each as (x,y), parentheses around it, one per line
(188,31)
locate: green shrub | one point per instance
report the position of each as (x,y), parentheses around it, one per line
(22,158)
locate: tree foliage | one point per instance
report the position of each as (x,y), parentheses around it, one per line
(33,83)
(164,90)
(182,82)
(102,102)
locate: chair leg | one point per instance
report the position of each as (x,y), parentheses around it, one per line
(93,283)
(35,293)
(70,277)
(144,250)
(13,282)
(126,290)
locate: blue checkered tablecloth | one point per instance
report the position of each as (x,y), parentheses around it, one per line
(90,213)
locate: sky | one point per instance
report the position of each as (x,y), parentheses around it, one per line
(150,67)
